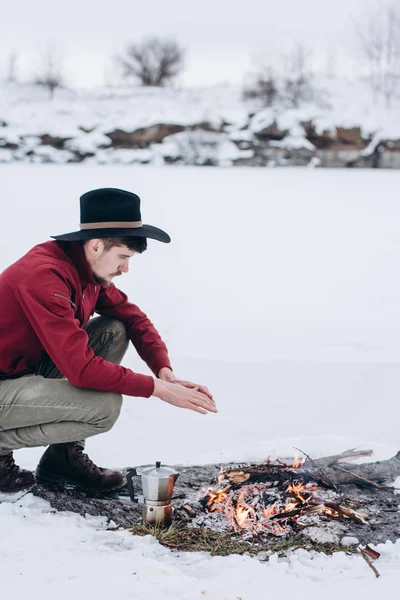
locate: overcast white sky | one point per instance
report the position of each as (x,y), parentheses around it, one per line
(222,37)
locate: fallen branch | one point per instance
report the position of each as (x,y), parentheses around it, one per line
(346,512)
(328,461)
(373,484)
(369,562)
(364,474)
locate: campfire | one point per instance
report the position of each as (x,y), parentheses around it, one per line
(273,499)
(325,504)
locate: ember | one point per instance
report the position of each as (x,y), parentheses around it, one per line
(275,507)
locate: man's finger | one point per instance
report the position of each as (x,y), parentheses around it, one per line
(189,384)
(205,398)
(196,408)
(205,391)
(200,400)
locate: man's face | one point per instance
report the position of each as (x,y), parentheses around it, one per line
(107,264)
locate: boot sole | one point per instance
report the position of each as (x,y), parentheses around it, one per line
(59,480)
(25,488)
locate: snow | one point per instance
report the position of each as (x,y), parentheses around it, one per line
(349,540)
(126,108)
(88,142)
(85,118)
(63,555)
(295,139)
(280,292)
(198,147)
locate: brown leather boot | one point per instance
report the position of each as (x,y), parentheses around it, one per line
(67,463)
(12,478)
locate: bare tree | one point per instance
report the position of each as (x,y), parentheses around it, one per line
(12,67)
(263,86)
(50,71)
(152,62)
(297,79)
(380,47)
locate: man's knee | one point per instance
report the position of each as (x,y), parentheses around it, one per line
(120,341)
(117,328)
(108,338)
(112,403)
(120,336)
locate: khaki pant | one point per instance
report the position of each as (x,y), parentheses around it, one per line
(43,409)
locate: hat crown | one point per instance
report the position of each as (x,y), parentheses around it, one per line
(109,204)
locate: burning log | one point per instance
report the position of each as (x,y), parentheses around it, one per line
(189,510)
(344,511)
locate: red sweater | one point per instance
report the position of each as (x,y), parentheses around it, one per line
(45,299)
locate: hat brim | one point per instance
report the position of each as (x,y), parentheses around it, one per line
(147,231)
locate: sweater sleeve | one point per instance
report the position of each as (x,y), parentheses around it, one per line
(45,297)
(141,331)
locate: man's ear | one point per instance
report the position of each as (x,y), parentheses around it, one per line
(95,246)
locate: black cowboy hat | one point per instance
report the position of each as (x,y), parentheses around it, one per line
(110,212)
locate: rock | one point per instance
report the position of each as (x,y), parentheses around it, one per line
(8,145)
(349,540)
(351,136)
(321,535)
(207,126)
(143,137)
(319,140)
(53,141)
(272,132)
(154,134)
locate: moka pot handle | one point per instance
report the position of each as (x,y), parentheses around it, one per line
(129,483)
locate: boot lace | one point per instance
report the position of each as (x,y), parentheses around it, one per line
(86,461)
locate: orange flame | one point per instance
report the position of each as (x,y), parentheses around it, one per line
(216,498)
(243,513)
(298,462)
(295,489)
(270,511)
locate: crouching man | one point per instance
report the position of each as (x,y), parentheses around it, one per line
(61,380)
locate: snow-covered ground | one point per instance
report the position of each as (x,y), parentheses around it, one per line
(280,292)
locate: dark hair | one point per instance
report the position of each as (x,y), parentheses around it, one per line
(135,244)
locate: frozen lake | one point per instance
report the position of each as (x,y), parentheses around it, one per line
(279,291)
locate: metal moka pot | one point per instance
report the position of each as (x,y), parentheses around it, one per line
(158,485)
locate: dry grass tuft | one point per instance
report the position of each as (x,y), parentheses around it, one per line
(201,539)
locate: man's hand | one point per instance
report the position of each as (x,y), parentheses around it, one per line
(167,375)
(184,396)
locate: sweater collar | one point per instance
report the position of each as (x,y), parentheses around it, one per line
(76,253)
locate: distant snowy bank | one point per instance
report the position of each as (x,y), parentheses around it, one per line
(204,126)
